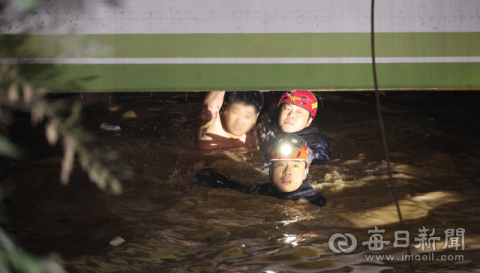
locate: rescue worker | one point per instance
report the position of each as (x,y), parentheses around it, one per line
(298,109)
(289,158)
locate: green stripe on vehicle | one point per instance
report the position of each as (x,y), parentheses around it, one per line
(191,77)
(242,45)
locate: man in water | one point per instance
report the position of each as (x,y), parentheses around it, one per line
(297,110)
(233,126)
(289,158)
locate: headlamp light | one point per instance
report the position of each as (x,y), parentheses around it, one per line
(286,150)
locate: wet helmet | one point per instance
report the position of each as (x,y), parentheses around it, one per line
(301,98)
(290,147)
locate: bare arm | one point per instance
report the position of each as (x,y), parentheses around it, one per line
(210,116)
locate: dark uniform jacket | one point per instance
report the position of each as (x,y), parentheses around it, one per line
(208,178)
(316,141)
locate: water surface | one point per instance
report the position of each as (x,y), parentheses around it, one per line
(171,225)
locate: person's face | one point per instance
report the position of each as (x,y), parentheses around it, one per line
(293,118)
(288,175)
(240,118)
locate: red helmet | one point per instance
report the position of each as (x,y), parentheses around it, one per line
(290,147)
(301,98)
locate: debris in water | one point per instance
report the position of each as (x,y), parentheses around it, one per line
(129,114)
(117,241)
(109,127)
(114,108)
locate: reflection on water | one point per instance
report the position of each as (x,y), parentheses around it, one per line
(169,224)
(411,208)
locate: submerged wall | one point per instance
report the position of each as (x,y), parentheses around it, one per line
(152,45)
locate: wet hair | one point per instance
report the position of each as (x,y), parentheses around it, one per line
(253,98)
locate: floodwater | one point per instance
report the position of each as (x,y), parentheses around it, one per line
(171,225)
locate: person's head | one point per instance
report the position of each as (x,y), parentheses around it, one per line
(242,111)
(297,110)
(290,160)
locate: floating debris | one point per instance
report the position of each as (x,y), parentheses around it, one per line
(129,114)
(109,127)
(117,241)
(114,108)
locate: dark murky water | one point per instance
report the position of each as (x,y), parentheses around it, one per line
(169,224)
